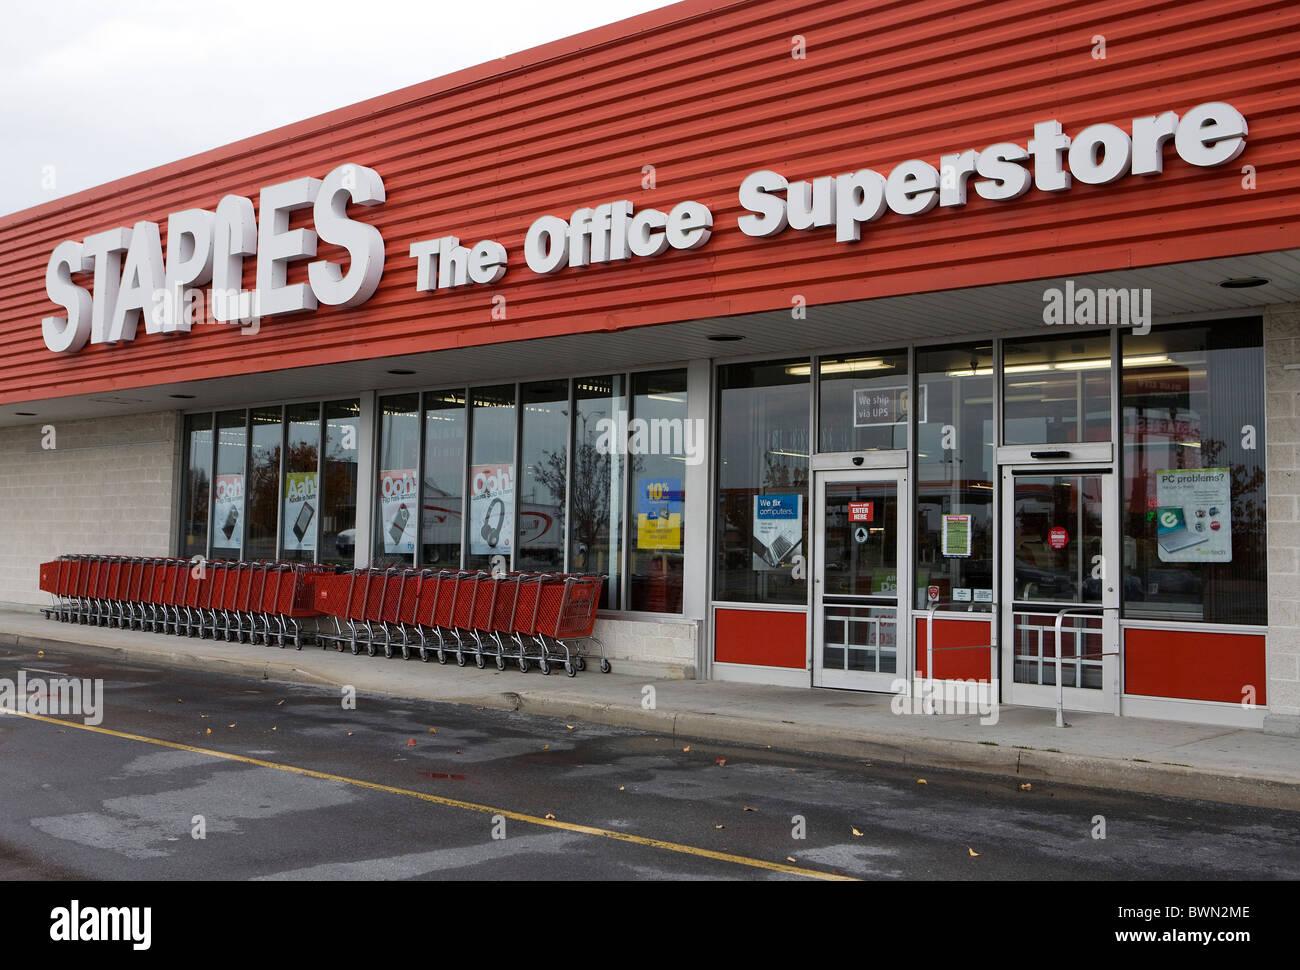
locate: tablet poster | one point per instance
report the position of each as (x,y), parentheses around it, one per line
(228,511)
(300,510)
(398,505)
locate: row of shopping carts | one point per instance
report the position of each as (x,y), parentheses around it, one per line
(524,618)
(546,619)
(260,602)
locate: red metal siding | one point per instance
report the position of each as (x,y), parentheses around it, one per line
(708,93)
(762,637)
(973,664)
(1199,666)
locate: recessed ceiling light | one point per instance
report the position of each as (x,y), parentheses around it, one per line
(25,414)
(1244,282)
(182,397)
(398,372)
(725,338)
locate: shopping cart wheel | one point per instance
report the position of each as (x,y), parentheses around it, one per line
(480,661)
(604,666)
(582,662)
(544,667)
(523,665)
(460,658)
(388,649)
(370,648)
(442,655)
(406,651)
(355,649)
(501,662)
(424,654)
(570,668)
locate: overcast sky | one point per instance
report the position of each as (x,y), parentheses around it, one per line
(93,91)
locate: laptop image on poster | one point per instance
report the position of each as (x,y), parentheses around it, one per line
(1172,532)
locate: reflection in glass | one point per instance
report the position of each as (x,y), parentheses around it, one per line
(598,484)
(1054,385)
(444,478)
(543,477)
(264,483)
(762,516)
(661,440)
(339,501)
(301,499)
(198,484)
(863,401)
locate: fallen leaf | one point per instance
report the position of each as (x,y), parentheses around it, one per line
(203,715)
(1026,787)
(720,762)
(687,748)
(569,726)
(748,809)
(458,750)
(349,734)
(410,742)
(433,730)
(179,701)
(546,747)
(856,833)
(719,826)
(273,727)
(920,781)
(207,730)
(40,653)
(278,703)
(769,747)
(549,815)
(974,854)
(620,788)
(790,858)
(230,725)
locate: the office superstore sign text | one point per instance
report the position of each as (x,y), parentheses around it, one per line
(131,281)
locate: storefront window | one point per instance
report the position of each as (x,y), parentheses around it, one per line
(339,501)
(661,439)
(762,517)
(543,476)
(1194,480)
(228,485)
(264,483)
(300,502)
(954,477)
(598,483)
(198,485)
(444,478)
(491,476)
(863,401)
(396,497)
(1054,387)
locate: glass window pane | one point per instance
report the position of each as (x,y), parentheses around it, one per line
(544,469)
(1194,493)
(264,483)
(1057,537)
(861,554)
(763,424)
(598,485)
(339,501)
(661,439)
(301,499)
(395,496)
(444,478)
(198,484)
(954,472)
(228,495)
(863,402)
(491,476)
(1053,385)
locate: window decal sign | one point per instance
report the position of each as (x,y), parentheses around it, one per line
(398,503)
(300,510)
(228,511)
(778,529)
(1193,520)
(491,509)
(659,513)
(956,535)
(862,511)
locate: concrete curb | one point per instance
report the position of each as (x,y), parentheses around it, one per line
(1013,763)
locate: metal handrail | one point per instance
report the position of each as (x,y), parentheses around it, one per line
(991,647)
(1060,682)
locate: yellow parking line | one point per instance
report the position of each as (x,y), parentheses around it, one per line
(739,860)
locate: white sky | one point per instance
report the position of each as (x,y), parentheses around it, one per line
(92,91)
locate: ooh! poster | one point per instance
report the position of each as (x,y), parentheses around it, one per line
(300,509)
(398,504)
(491,509)
(228,512)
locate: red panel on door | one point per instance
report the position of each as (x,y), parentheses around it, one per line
(955,664)
(761,637)
(1195,666)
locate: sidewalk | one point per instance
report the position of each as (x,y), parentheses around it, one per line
(1099,750)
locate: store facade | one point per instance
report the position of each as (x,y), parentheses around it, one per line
(842,343)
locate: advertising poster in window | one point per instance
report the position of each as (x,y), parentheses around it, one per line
(778,530)
(956,535)
(883,405)
(300,510)
(1193,517)
(398,505)
(228,511)
(491,509)
(659,513)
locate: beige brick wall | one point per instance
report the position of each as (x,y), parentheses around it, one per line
(1282,395)
(107,486)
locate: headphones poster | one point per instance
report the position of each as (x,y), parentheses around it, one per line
(491,508)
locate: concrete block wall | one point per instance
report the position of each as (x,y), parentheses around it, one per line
(659,648)
(109,485)
(1282,410)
